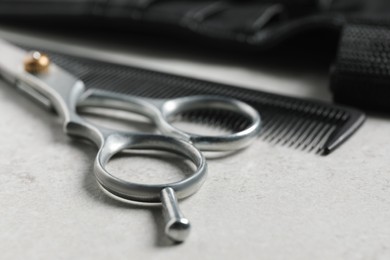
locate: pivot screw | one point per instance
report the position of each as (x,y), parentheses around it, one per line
(36,62)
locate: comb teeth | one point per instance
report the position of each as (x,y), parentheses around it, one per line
(300,124)
(232,122)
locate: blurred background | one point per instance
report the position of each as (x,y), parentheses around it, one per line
(305,38)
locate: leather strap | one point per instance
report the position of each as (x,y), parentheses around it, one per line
(361,74)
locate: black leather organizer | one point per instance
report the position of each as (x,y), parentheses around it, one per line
(360,74)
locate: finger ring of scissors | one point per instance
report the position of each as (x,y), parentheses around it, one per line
(65,93)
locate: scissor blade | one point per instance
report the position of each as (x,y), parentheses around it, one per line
(11,61)
(11,67)
(53,85)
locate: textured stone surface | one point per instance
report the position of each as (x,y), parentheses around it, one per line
(266,202)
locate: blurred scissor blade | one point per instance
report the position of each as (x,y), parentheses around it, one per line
(11,61)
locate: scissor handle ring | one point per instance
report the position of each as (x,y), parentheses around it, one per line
(160,111)
(116,143)
(232,141)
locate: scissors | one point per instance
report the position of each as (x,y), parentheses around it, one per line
(35,74)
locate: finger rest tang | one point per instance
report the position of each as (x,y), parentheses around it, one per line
(177,227)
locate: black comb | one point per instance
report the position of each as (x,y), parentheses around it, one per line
(308,125)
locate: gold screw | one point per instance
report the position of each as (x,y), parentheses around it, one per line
(36,62)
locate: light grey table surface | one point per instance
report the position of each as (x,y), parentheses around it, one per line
(266,202)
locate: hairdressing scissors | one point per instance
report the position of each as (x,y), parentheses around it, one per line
(34,73)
